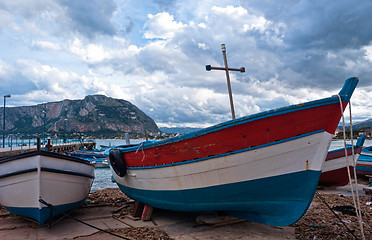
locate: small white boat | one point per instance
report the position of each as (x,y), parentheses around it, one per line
(60,180)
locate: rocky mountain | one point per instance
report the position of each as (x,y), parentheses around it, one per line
(95,115)
(367,124)
(360,126)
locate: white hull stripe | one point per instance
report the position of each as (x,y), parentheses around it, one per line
(307,153)
(338,163)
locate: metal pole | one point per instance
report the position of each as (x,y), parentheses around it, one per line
(228,80)
(64,134)
(227,69)
(4,125)
(127,140)
(5,96)
(44,115)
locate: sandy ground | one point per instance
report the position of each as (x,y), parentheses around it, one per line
(109,208)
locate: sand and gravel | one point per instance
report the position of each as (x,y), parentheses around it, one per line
(319,222)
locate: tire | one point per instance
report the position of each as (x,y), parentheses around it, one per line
(118,163)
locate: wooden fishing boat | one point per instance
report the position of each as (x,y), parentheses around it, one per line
(263,167)
(97,158)
(364,164)
(334,169)
(60,180)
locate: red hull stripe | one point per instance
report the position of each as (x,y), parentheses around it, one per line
(235,135)
(338,177)
(341,153)
(229,153)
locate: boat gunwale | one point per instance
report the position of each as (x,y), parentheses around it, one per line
(21,172)
(235,122)
(53,170)
(43,169)
(44,153)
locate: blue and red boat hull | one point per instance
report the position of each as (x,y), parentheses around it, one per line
(264,167)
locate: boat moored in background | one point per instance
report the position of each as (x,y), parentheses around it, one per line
(334,169)
(364,164)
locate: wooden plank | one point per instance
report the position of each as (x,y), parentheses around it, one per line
(147,213)
(137,209)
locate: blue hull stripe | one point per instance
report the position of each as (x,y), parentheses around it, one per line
(42,215)
(365,159)
(364,168)
(231,153)
(278,201)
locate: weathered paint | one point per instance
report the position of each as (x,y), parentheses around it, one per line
(264,167)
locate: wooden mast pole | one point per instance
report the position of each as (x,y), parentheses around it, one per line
(227,69)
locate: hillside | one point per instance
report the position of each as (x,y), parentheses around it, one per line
(95,115)
(360,126)
(363,125)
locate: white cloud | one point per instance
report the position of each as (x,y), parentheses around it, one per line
(46,45)
(162,25)
(368,50)
(91,53)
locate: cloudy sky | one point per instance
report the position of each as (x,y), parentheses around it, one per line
(153,53)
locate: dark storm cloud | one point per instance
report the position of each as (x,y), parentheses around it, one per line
(90,18)
(16,83)
(319,40)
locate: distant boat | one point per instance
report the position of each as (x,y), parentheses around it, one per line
(263,167)
(60,180)
(334,170)
(87,153)
(101,163)
(105,146)
(364,164)
(97,158)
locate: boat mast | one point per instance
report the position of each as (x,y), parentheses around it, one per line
(227,69)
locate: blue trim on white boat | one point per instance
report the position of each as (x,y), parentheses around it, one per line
(59,171)
(279,200)
(230,153)
(21,172)
(42,215)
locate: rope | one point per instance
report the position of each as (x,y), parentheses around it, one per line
(355,198)
(325,202)
(143,152)
(360,219)
(89,225)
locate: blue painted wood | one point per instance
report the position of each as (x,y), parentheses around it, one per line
(270,204)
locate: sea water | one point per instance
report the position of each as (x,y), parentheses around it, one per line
(340,143)
(103,176)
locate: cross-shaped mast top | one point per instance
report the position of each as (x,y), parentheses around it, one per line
(227,69)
